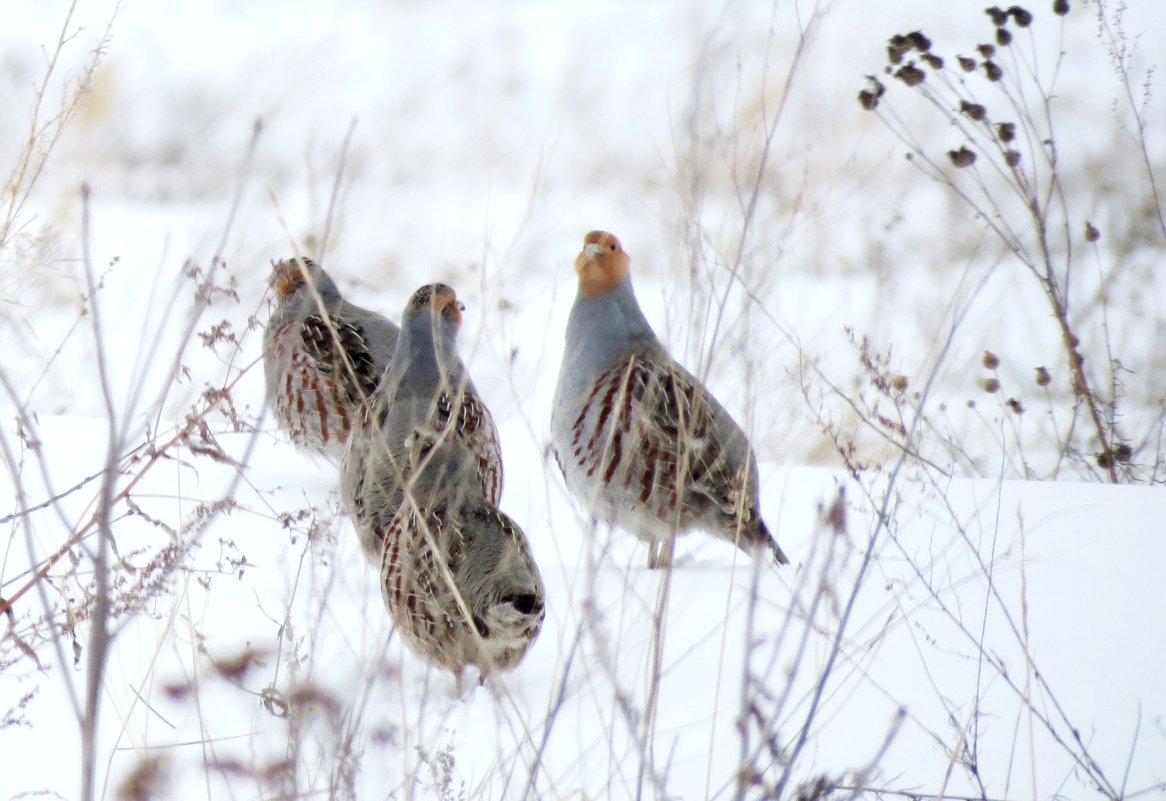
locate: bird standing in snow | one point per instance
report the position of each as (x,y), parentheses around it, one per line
(422,478)
(641,442)
(322,358)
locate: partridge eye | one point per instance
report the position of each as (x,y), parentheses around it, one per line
(612,246)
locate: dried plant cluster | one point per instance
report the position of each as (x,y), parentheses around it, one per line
(1003,161)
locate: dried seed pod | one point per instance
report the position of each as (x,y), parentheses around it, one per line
(999,16)
(986,50)
(973,110)
(1003,37)
(932,60)
(1118,454)
(962,157)
(897,47)
(1015,405)
(869,98)
(1006,131)
(990,360)
(1022,17)
(919,41)
(989,385)
(1042,377)
(1091,232)
(966,64)
(910,74)
(1011,157)
(899,383)
(993,71)
(1061,7)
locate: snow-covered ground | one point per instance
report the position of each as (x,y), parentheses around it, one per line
(1009,630)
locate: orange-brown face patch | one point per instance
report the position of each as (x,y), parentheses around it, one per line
(602,265)
(286,278)
(444,301)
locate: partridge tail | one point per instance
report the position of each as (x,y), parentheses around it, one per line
(757,535)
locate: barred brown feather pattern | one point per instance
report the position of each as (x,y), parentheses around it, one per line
(645,447)
(343,353)
(461,585)
(326,379)
(644,431)
(473,425)
(419,598)
(310,404)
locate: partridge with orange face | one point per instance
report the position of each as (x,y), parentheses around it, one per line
(323,357)
(641,442)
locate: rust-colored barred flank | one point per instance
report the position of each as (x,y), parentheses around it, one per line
(644,439)
(459,582)
(327,380)
(323,357)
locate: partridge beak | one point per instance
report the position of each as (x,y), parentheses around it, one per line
(592,249)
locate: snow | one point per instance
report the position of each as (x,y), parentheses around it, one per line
(997,618)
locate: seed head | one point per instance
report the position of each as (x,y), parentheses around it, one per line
(897,47)
(910,74)
(1042,377)
(999,17)
(899,383)
(932,60)
(973,110)
(966,64)
(991,360)
(993,71)
(1003,37)
(962,157)
(1061,7)
(1015,405)
(986,50)
(1118,454)
(1022,17)
(989,385)
(1011,157)
(919,41)
(1091,232)
(1006,131)
(869,98)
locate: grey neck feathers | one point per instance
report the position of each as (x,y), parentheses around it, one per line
(609,327)
(427,352)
